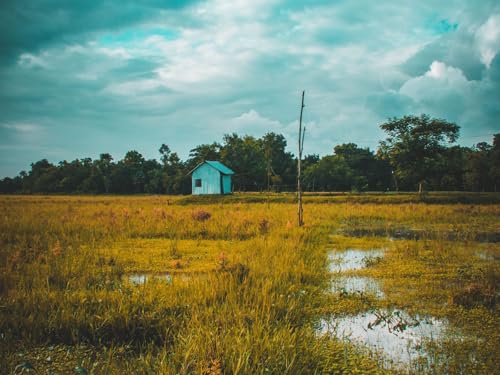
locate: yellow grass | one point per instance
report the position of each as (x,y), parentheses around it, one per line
(248,287)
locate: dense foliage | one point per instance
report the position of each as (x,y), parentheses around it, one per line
(418,153)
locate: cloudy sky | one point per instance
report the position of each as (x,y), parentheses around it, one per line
(78,78)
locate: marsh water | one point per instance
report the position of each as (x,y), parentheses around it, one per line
(398,335)
(353,259)
(143,278)
(410,234)
(393,332)
(357,284)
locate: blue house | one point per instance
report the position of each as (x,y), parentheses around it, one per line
(211,177)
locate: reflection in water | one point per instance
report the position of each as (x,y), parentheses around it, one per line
(357,284)
(484,255)
(353,259)
(396,333)
(140,279)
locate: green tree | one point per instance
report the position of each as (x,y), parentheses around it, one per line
(495,162)
(132,172)
(331,173)
(451,169)
(371,173)
(414,146)
(478,168)
(280,164)
(153,177)
(105,167)
(43,177)
(246,157)
(173,171)
(203,152)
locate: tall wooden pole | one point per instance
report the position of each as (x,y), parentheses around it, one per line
(300,212)
(268,157)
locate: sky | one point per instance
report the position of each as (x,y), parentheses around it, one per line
(83,77)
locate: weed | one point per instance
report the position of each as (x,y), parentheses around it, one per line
(201,215)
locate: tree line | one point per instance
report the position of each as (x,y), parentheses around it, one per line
(418,153)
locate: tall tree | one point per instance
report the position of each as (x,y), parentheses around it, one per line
(105,166)
(414,145)
(173,174)
(370,172)
(280,164)
(133,164)
(245,156)
(207,151)
(478,168)
(331,173)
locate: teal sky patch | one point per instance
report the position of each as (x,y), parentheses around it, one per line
(441,26)
(134,35)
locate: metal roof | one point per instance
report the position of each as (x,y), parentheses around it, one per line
(217,165)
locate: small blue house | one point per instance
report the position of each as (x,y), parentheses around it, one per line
(211,177)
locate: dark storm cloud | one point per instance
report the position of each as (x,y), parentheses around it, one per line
(455,49)
(27,26)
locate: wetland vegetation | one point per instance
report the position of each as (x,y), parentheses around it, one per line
(212,285)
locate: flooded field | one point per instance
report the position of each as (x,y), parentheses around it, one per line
(411,234)
(141,279)
(396,334)
(353,259)
(404,339)
(357,284)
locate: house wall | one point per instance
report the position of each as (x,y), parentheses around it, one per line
(210,180)
(226,183)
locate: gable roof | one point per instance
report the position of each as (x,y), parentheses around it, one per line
(217,165)
(220,167)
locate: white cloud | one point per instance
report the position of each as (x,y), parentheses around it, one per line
(488,39)
(235,9)
(29,60)
(118,52)
(198,59)
(439,80)
(441,71)
(22,127)
(133,88)
(252,122)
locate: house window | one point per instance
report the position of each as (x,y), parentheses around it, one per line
(197,182)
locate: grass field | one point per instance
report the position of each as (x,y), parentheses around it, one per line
(213,285)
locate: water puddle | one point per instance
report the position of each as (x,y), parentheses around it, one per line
(483,255)
(353,259)
(410,234)
(141,279)
(357,284)
(395,333)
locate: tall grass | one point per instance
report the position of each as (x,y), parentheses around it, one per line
(255,310)
(254,314)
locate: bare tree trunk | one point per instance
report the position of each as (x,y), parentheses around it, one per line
(395,181)
(300,212)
